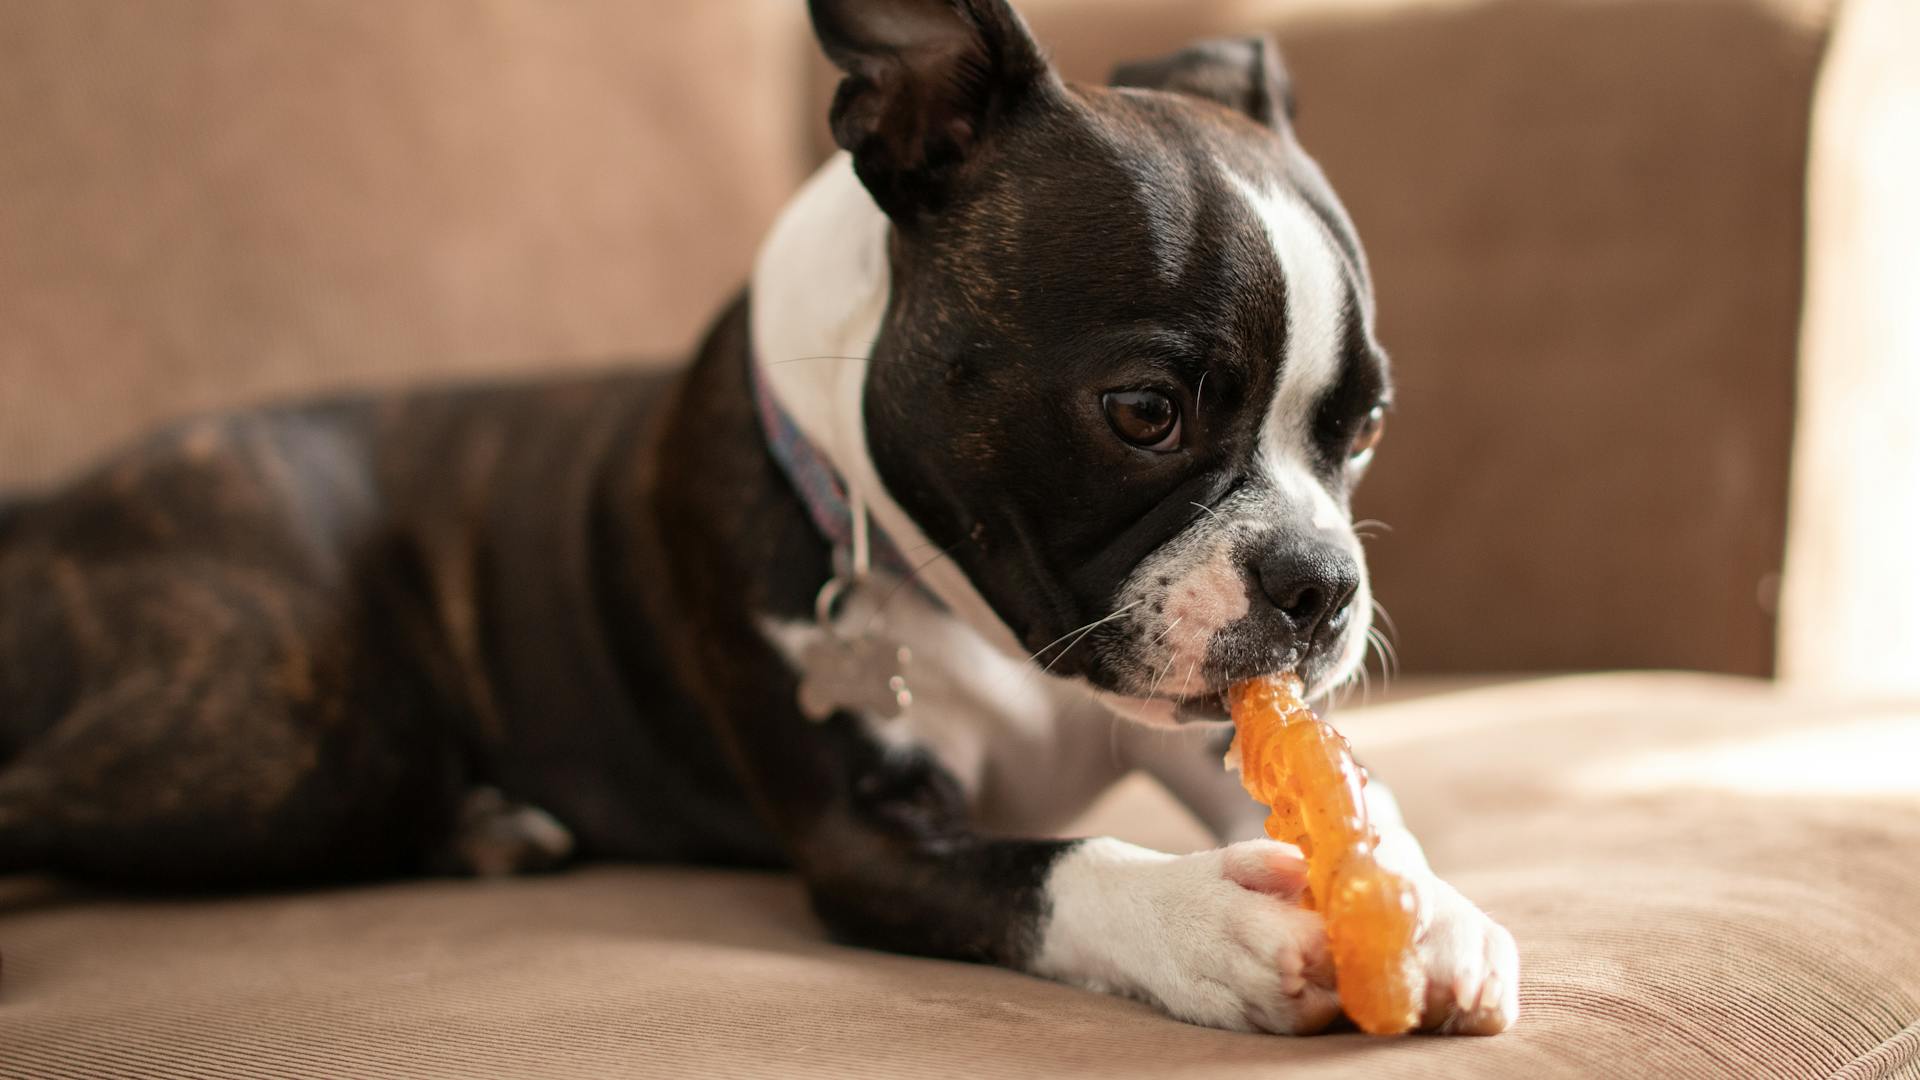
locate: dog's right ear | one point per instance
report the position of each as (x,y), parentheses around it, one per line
(1244,74)
(926,82)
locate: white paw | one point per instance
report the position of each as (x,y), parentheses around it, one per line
(1473,968)
(1216,938)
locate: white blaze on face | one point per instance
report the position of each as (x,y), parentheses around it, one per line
(1317,310)
(1195,588)
(1319,302)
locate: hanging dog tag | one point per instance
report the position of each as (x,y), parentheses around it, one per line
(854,666)
(864,675)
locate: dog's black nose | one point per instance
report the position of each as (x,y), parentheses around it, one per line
(1310,586)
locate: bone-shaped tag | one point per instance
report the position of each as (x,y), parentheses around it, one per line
(864,675)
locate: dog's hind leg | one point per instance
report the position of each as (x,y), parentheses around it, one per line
(225,727)
(206,677)
(496,837)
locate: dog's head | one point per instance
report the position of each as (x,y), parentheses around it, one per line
(1123,377)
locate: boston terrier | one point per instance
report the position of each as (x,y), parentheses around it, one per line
(1034,430)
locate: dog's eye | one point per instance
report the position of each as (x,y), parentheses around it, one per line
(1368,436)
(1146,418)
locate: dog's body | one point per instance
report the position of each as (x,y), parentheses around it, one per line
(1097,363)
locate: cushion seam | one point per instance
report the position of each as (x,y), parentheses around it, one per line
(1900,1049)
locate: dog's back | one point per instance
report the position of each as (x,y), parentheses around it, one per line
(299,635)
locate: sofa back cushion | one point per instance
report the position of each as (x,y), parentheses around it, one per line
(210,203)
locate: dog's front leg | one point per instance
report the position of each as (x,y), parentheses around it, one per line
(1215,938)
(881,827)
(1473,965)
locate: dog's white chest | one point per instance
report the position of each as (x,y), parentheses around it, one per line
(1029,750)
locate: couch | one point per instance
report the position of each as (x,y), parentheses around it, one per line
(1647,269)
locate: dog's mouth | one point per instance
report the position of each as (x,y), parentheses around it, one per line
(1196,694)
(1206,709)
(1210,708)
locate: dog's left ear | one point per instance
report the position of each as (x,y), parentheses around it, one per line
(1244,74)
(927,81)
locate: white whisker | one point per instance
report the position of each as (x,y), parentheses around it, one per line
(1187,679)
(1162,675)
(1386,667)
(1381,610)
(1389,656)
(1077,634)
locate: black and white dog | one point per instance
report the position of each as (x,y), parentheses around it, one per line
(1043,407)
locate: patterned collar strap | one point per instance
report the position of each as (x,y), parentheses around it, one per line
(821,489)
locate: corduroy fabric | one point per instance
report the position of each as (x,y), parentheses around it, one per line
(1707,879)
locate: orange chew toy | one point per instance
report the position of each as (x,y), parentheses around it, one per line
(1295,763)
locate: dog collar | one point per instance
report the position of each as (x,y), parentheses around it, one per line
(854,666)
(857,544)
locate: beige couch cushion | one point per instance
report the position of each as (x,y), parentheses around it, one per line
(1707,879)
(208,203)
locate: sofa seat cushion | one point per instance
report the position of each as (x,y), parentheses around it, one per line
(1707,877)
